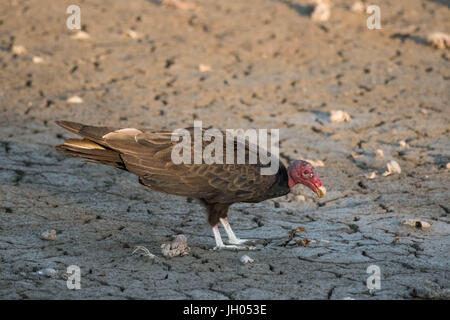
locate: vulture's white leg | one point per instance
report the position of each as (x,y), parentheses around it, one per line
(232,239)
(221,246)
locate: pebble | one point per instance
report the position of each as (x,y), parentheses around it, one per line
(246,259)
(392,167)
(75,99)
(48,272)
(339,116)
(49,235)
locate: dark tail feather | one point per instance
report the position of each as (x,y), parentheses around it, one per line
(91,151)
(89,132)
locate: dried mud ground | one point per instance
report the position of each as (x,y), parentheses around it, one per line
(271,67)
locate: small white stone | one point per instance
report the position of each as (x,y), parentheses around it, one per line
(321,10)
(204,68)
(18,49)
(48,272)
(379,153)
(49,235)
(339,116)
(75,99)
(448,166)
(133,34)
(439,40)
(81,35)
(403,144)
(37,60)
(392,167)
(246,259)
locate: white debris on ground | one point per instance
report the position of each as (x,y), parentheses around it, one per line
(379,153)
(358,6)
(18,49)
(37,60)
(321,10)
(178,4)
(81,35)
(246,259)
(339,116)
(133,34)
(416,223)
(143,251)
(316,163)
(371,176)
(392,167)
(403,144)
(448,166)
(439,40)
(48,272)
(178,247)
(204,68)
(74,99)
(49,235)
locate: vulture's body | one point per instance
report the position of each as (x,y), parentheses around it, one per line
(147,154)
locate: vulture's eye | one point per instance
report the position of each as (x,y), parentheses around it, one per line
(305,172)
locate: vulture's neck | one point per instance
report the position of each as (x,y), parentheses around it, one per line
(281,184)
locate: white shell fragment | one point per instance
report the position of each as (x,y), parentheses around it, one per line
(81,35)
(18,49)
(143,251)
(75,99)
(417,223)
(204,68)
(321,10)
(246,259)
(48,272)
(339,116)
(439,40)
(178,247)
(392,167)
(49,235)
(379,153)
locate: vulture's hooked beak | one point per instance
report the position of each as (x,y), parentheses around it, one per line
(320,191)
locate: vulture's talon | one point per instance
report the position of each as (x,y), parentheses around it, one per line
(233,247)
(240,241)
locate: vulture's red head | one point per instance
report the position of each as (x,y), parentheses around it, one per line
(302,172)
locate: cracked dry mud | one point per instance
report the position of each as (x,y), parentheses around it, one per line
(271,66)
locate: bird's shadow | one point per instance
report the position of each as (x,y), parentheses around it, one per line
(303,10)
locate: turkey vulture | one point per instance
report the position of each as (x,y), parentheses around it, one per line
(147,154)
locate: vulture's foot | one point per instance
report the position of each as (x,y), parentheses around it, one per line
(238,241)
(235,243)
(234,247)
